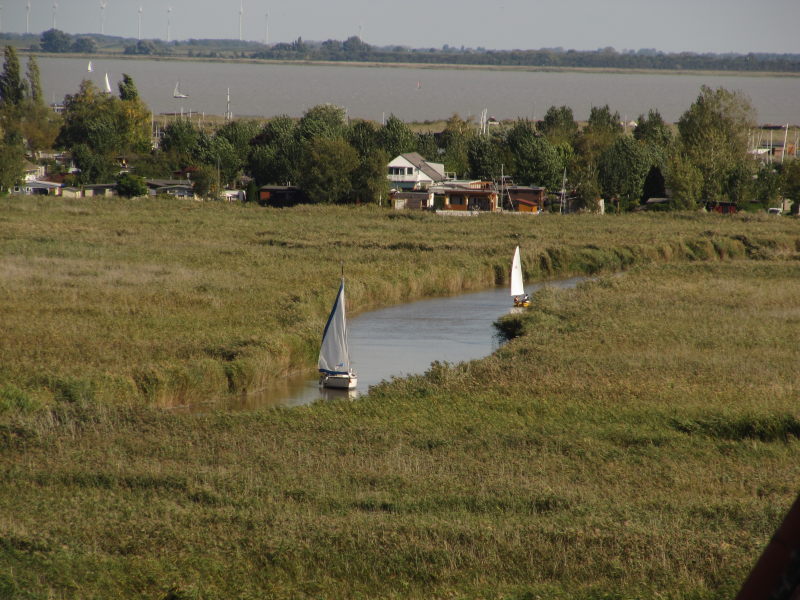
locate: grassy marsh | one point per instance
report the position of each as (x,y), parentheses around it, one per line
(637,440)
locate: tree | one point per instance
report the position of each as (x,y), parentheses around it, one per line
(240,133)
(684,180)
(276,151)
(324,120)
(455,142)
(12,164)
(94,166)
(131,186)
(84,45)
(396,138)
(363,137)
(326,169)
(218,152)
(791,183)
(623,169)
(653,130)
(369,182)
(12,89)
(559,125)
(55,40)
(485,159)
(127,88)
(180,138)
(205,182)
(34,81)
(105,126)
(713,134)
(601,131)
(535,160)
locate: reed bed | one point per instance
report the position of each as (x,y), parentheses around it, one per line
(637,438)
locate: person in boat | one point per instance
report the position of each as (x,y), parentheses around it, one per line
(523,299)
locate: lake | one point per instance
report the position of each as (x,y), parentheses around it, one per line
(412,94)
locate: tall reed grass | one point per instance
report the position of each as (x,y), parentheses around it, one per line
(168,303)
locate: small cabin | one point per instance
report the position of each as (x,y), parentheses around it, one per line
(526,199)
(281,196)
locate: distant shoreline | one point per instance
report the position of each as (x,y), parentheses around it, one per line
(412,65)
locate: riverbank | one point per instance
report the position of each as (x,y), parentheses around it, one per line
(639,440)
(141,301)
(409,65)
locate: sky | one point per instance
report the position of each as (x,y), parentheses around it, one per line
(719,26)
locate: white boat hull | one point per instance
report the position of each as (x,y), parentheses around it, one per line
(339,382)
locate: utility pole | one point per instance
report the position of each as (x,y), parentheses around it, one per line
(241,12)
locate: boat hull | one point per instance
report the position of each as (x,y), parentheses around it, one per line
(339,382)
(522,302)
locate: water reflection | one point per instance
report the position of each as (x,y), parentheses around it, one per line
(402,340)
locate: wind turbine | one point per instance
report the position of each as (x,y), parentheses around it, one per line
(169,12)
(1,17)
(55,8)
(28,17)
(266,29)
(140,22)
(103,5)
(241,12)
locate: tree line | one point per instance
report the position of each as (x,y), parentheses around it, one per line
(702,158)
(354,49)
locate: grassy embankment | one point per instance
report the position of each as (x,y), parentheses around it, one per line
(639,440)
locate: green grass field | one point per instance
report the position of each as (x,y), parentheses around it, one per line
(637,438)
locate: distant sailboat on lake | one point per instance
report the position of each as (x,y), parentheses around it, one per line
(108,85)
(177,93)
(89,67)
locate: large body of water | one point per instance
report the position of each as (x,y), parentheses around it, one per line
(412,94)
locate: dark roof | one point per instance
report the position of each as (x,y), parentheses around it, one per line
(416,159)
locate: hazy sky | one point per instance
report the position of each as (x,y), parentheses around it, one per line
(670,25)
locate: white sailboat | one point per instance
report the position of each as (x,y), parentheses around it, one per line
(334,358)
(177,93)
(517,287)
(89,67)
(108,85)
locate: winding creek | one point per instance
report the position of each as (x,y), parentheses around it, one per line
(402,340)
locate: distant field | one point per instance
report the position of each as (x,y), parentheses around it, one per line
(637,439)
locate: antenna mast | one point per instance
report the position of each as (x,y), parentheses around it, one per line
(103,5)
(241,12)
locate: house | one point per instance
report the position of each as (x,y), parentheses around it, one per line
(411,200)
(106,190)
(412,172)
(281,196)
(33,172)
(38,188)
(526,199)
(233,195)
(71,192)
(180,190)
(467,196)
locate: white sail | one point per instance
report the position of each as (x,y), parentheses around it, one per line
(334,358)
(177,93)
(517,288)
(108,85)
(89,67)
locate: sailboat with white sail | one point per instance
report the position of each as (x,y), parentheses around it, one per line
(517,286)
(108,85)
(334,357)
(89,67)
(177,93)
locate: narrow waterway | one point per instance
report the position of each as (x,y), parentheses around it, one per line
(403,340)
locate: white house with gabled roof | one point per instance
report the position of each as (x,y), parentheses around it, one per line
(412,172)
